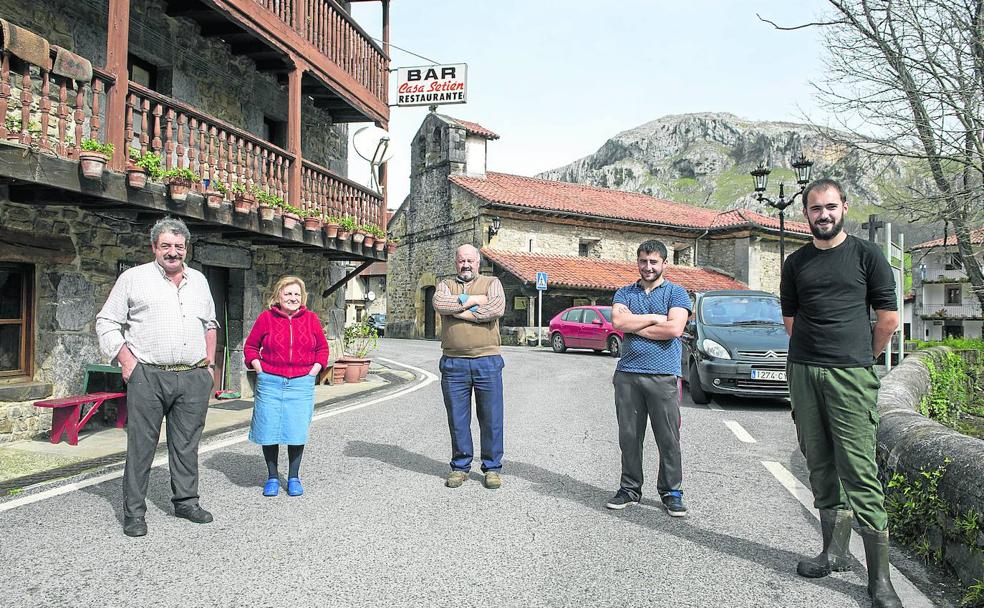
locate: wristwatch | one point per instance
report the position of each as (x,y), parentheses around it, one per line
(211,366)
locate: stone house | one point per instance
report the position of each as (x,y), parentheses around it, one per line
(583,237)
(366,294)
(247,94)
(944,306)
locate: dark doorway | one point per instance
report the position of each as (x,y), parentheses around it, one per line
(429,320)
(954,330)
(218,283)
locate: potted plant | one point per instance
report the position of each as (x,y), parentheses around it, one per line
(360,340)
(380,238)
(242,198)
(369,235)
(358,234)
(312,220)
(292,215)
(215,194)
(179,183)
(391,244)
(346,226)
(140,166)
(330,226)
(267,203)
(93,157)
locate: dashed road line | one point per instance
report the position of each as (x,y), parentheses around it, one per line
(739,431)
(910,595)
(216,445)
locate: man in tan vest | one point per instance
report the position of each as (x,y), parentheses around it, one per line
(470,305)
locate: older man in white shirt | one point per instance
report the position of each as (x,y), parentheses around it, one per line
(159,324)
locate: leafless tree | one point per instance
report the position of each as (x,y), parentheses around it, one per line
(911,72)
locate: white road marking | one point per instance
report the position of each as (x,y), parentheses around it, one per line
(216,445)
(714,406)
(739,431)
(910,595)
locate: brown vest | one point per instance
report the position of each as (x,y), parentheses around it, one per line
(461,338)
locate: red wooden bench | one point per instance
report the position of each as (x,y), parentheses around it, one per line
(67,410)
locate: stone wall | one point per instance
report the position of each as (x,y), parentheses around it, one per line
(196,70)
(69,294)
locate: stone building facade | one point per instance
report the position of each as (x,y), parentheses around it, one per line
(65,238)
(454,200)
(945,304)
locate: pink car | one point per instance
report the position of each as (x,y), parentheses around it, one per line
(585,327)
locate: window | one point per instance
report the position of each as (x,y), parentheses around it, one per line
(275,132)
(582,250)
(607,313)
(589,316)
(573,316)
(953,262)
(953,295)
(142,72)
(16,307)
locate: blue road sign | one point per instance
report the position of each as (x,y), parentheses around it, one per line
(541,281)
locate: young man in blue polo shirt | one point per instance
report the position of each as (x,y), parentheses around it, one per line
(652,313)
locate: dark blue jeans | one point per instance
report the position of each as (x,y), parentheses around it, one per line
(459,377)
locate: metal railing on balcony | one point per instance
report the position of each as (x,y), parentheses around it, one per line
(964,310)
(335,34)
(938,274)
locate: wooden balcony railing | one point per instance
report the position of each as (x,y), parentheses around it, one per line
(50,112)
(328,27)
(331,195)
(215,150)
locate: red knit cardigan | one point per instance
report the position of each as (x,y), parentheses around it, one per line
(287,346)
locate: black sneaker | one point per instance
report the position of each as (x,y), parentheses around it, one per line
(621,500)
(194,514)
(673,501)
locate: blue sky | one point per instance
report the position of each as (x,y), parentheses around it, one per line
(556,79)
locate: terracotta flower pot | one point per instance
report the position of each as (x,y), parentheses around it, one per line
(331,230)
(278,213)
(354,370)
(390,247)
(364,370)
(338,372)
(213,198)
(243,204)
(93,164)
(380,245)
(266,212)
(358,237)
(290,220)
(178,189)
(136,177)
(343,235)
(312,223)
(368,240)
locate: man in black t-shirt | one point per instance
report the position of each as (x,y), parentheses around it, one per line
(827,288)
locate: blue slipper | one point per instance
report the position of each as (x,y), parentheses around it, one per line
(294,487)
(272,487)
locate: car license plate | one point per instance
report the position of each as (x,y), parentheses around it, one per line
(768,374)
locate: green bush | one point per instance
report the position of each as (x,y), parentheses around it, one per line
(915,507)
(360,339)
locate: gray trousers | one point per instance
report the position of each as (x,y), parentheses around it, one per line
(639,397)
(151,395)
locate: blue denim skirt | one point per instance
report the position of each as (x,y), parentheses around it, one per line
(282,409)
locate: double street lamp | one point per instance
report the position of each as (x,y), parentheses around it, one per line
(803,169)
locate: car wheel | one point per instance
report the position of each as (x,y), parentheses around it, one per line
(697,392)
(557,342)
(615,346)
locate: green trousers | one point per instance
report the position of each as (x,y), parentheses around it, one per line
(836,423)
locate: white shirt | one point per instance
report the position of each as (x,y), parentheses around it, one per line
(160,322)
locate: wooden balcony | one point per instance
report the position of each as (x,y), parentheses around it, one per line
(54,115)
(348,69)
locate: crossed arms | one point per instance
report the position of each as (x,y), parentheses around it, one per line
(654,327)
(488,307)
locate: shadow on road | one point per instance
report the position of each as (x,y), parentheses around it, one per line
(244,470)
(158,492)
(558,485)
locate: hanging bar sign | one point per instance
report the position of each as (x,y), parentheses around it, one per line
(429,85)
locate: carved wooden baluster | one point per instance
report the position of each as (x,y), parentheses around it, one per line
(181,120)
(240,169)
(264,170)
(95,121)
(157,144)
(144,124)
(4,91)
(62,147)
(223,169)
(204,160)
(169,139)
(208,149)
(79,112)
(128,132)
(45,109)
(26,98)
(194,147)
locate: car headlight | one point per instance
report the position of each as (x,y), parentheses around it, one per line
(714,349)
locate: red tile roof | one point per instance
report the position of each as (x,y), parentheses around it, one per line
(602,275)
(474,128)
(548,195)
(976,238)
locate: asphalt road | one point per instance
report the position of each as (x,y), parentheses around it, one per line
(377,527)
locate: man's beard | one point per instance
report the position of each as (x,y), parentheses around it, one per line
(466,275)
(830,233)
(654,279)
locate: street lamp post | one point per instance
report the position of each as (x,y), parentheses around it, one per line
(803,169)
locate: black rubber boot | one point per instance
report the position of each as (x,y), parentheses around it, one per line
(835,525)
(879,582)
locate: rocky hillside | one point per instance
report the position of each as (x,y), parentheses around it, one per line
(705,159)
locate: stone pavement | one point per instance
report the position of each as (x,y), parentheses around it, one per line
(24,464)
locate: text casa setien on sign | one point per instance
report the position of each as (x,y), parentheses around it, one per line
(429,85)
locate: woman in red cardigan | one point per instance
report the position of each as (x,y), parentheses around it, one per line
(287,348)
